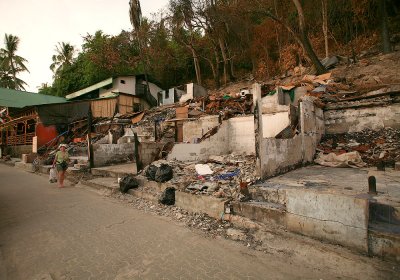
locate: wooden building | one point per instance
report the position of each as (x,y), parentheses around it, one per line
(19,117)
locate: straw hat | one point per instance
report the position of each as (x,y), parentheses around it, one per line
(63,145)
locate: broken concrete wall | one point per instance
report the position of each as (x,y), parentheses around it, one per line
(212,206)
(280,101)
(280,155)
(193,90)
(274,123)
(355,120)
(241,135)
(168,96)
(235,135)
(145,134)
(337,218)
(108,154)
(194,130)
(215,145)
(149,152)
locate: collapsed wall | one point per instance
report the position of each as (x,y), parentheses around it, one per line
(368,124)
(295,145)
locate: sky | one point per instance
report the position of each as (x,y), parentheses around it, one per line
(41,24)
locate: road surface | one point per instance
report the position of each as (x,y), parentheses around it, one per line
(72,233)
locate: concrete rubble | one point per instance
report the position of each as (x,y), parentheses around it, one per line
(374,146)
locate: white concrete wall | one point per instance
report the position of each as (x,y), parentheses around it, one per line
(280,101)
(337,218)
(196,129)
(108,154)
(170,99)
(241,135)
(128,87)
(354,120)
(280,155)
(189,93)
(274,123)
(215,145)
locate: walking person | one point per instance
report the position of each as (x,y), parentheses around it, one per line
(61,162)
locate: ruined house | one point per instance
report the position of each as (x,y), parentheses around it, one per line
(19,121)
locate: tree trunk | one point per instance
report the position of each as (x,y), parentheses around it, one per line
(225,58)
(325,25)
(217,77)
(384,27)
(277,35)
(196,65)
(305,41)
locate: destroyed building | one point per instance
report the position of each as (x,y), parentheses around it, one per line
(267,152)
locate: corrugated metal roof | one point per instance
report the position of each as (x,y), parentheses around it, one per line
(20,99)
(81,92)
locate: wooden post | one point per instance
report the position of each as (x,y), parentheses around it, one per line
(89,139)
(137,153)
(258,129)
(25,123)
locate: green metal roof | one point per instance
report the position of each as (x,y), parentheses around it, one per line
(20,99)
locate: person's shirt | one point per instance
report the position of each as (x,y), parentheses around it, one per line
(61,156)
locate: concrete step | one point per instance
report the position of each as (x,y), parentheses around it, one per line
(111,184)
(272,193)
(115,171)
(384,240)
(102,183)
(263,212)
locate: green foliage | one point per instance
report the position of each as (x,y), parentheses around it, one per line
(64,57)
(216,39)
(11,64)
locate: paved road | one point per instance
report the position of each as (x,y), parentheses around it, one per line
(72,233)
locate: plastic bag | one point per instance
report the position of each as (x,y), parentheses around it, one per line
(127,183)
(53,175)
(168,197)
(160,174)
(164,173)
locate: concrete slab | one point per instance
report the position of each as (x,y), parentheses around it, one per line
(102,183)
(347,181)
(212,206)
(115,171)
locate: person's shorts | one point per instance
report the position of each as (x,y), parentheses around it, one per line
(61,166)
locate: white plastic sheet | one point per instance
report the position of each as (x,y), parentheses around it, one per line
(352,159)
(203,169)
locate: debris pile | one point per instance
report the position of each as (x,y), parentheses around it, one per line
(225,176)
(374,146)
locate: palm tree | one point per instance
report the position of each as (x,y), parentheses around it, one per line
(64,57)
(11,64)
